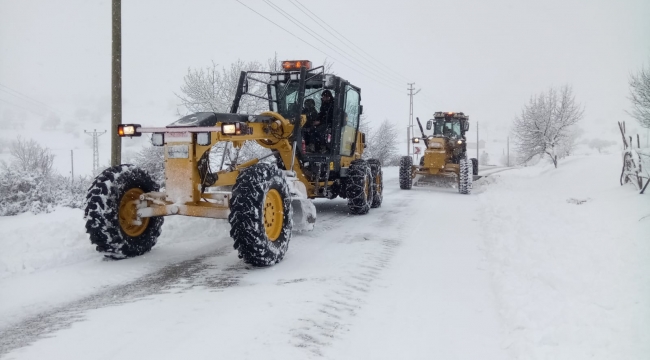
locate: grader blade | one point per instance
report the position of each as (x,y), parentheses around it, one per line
(304,214)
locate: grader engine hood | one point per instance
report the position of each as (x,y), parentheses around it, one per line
(202,119)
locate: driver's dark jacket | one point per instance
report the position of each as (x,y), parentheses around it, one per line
(312,115)
(326,114)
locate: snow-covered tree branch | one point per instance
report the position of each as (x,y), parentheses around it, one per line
(546,125)
(381,143)
(640,96)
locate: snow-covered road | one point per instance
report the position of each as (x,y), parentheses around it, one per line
(430,274)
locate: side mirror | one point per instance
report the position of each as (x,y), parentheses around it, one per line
(416,140)
(429,124)
(363,138)
(465,125)
(360,109)
(245,87)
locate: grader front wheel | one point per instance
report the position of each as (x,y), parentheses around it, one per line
(405,177)
(261,215)
(465,177)
(111,214)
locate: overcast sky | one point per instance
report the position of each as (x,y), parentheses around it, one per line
(485,58)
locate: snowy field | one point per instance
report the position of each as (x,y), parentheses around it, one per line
(538,263)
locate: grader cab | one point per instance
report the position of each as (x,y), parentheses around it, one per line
(445,156)
(264,198)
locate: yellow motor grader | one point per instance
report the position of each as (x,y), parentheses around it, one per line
(445,156)
(265,198)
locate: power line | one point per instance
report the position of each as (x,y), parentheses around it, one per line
(22,107)
(28,98)
(317,49)
(318,37)
(342,42)
(348,40)
(311,32)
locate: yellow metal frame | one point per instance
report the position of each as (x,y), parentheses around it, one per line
(184,197)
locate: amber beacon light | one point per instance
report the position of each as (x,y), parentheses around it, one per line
(294,65)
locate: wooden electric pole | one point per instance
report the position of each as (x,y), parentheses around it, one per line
(116,84)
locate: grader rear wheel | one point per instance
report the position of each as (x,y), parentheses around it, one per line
(359,187)
(377,183)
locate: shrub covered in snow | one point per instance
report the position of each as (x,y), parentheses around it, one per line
(28,183)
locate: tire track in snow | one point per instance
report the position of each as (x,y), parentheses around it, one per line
(347,298)
(209,271)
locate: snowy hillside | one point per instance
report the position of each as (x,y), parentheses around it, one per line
(538,263)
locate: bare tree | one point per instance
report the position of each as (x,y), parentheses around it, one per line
(640,96)
(546,124)
(364,125)
(382,143)
(30,156)
(213,89)
(152,160)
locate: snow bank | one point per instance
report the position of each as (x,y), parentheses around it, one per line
(31,243)
(569,255)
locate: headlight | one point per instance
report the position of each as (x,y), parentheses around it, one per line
(128,130)
(228,129)
(435,145)
(237,128)
(460,142)
(416,140)
(158,139)
(203,139)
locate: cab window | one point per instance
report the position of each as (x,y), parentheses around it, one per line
(350,120)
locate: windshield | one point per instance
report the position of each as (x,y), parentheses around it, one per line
(287,97)
(449,128)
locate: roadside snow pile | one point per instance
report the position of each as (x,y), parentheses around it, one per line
(569,254)
(31,243)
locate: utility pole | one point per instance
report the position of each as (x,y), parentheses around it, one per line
(116,84)
(410,128)
(95,134)
(508,151)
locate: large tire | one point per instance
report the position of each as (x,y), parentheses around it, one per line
(261,216)
(474,166)
(108,213)
(359,187)
(405,168)
(377,183)
(465,177)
